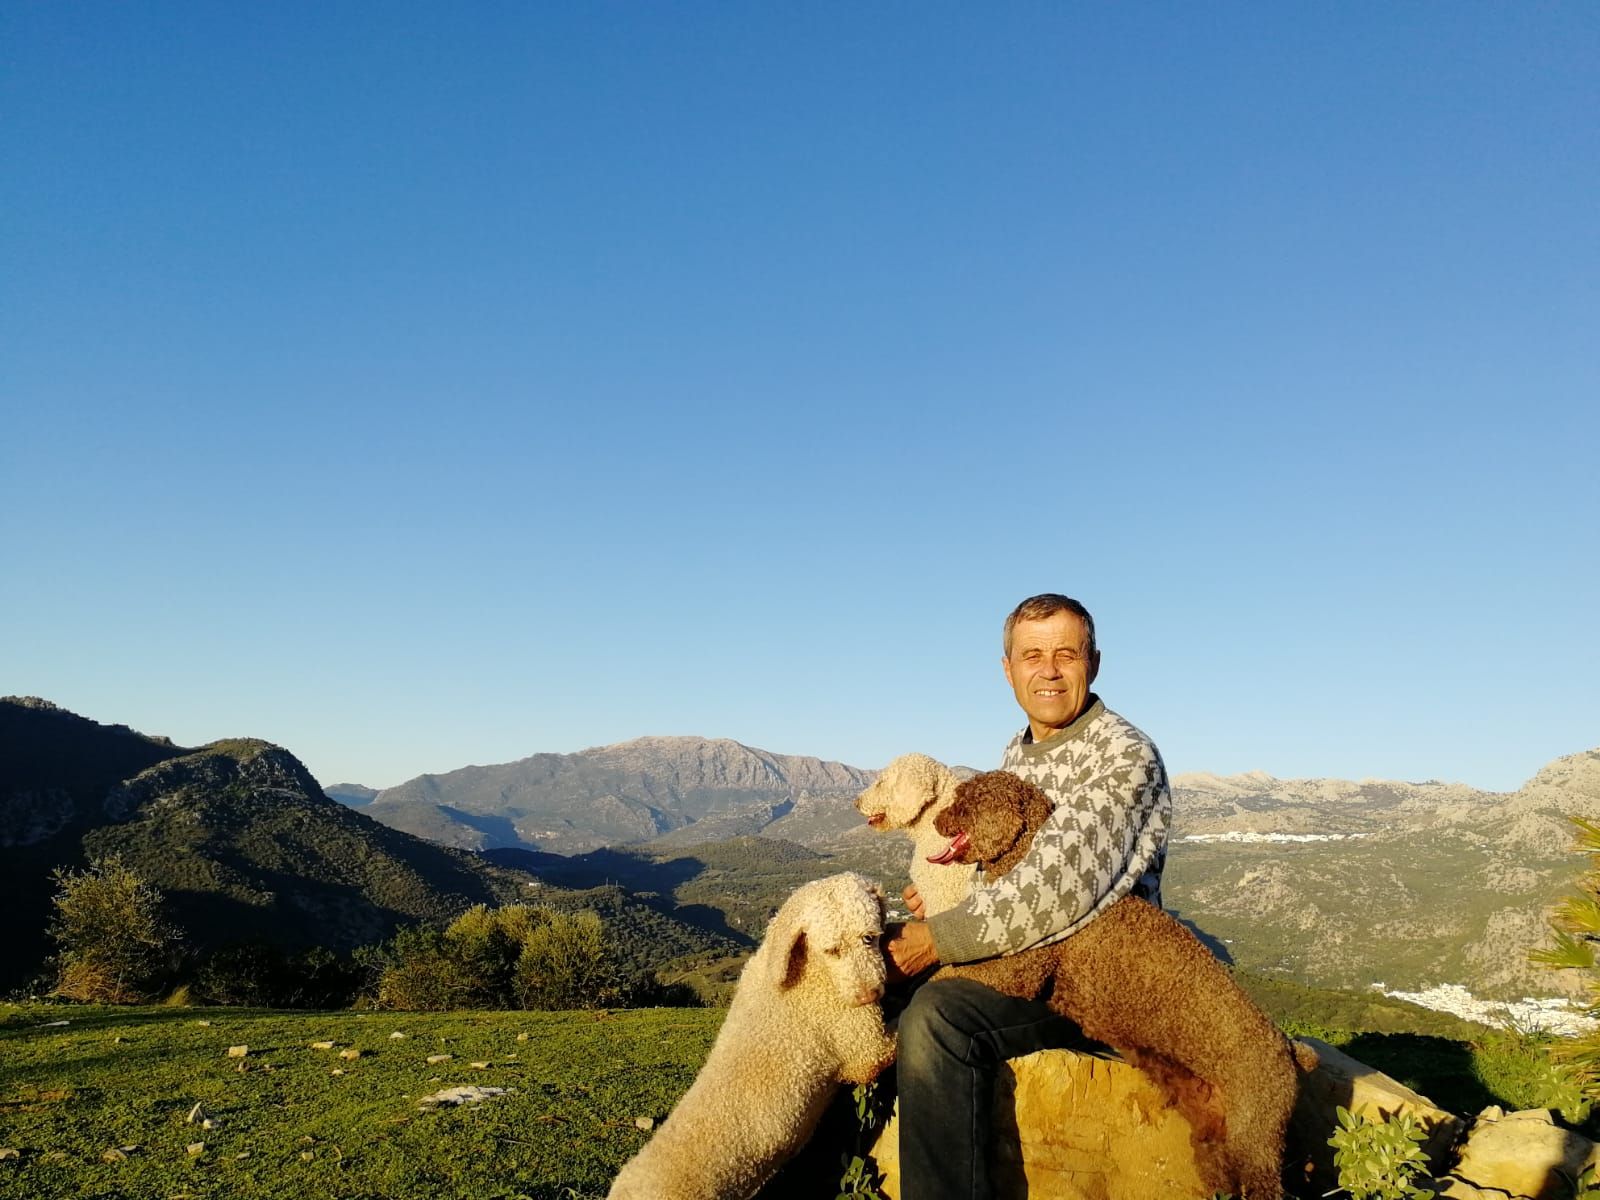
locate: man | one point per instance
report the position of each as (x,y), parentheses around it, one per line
(1106,839)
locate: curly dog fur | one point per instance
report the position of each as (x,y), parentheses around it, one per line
(804,1019)
(1137,980)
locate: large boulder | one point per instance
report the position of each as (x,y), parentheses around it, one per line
(1071,1126)
(1520,1155)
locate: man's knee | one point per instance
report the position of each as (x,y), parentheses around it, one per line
(940,1022)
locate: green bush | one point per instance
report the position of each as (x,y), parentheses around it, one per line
(115,947)
(513,957)
(1576,1061)
(1380,1160)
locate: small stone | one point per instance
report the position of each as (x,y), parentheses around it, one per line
(208,1123)
(322,1045)
(196,1148)
(238,1051)
(307,1155)
(337,1071)
(644,1123)
(522,1037)
(9,1152)
(438,1058)
(479,1066)
(207,1024)
(118,1040)
(242,1154)
(396,1036)
(112,1156)
(349,1055)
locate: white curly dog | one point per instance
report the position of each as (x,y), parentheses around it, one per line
(804,1019)
(909,794)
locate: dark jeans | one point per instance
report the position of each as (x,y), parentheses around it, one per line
(954,1035)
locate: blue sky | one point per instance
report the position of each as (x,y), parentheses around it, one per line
(417,385)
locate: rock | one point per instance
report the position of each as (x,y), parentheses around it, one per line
(1523,1155)
(196,1148)
(522,1037)
(307,1155)
(207,1024)
(196,1114)
(238,1051)
(242,1154)
(479,1066)
(1071,1126)
(118,1040)
(9,1152)
(644,1123)
(1340,1080)
(208,1123)
(461,1095)
(114,1156)
(349,1055)
(439,1058)
(396,1036)
(322,1045)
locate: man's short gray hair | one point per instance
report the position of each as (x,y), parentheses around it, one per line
(1047,604)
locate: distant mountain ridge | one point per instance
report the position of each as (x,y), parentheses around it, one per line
(697,788)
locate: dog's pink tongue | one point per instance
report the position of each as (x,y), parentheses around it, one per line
(950,853)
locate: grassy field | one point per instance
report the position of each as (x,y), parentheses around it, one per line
(289,1126)
(306,1123)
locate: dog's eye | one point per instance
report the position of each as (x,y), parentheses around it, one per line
(869,939)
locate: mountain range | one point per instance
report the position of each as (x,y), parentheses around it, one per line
(243,845)
(1325,881)
(686,845)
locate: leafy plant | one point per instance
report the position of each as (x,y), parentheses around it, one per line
(115,943)
(1577,932)
(862,1179)
(1379,1160)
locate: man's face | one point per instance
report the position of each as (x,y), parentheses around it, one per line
(1050,670)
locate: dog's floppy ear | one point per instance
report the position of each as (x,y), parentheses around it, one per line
(788,941)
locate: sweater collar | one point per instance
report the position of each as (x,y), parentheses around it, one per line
(1058,739)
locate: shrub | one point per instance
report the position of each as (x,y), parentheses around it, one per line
(115,947)
(1577,930)
(1379,1160)
(563,964)
(512,957)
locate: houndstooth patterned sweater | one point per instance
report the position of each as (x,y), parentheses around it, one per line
(1107,838)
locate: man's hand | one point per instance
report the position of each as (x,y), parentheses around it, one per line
(910,949)
(914,902)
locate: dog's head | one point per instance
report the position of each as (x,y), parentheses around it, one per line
(834,927)
(904,791)
(989,815)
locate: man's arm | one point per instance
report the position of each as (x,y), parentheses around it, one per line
(1094,848)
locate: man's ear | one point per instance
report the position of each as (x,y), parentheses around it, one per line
(1094,667)
(1005,665)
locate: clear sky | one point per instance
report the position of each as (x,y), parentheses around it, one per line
(421,385)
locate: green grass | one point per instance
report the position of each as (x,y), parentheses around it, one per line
(68,1094)
(117,1077)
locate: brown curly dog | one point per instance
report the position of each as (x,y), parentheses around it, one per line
(1140,982)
